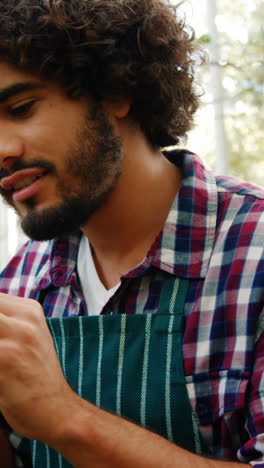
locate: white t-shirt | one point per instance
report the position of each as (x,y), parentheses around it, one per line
(95,294)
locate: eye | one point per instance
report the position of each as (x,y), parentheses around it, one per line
(21,110)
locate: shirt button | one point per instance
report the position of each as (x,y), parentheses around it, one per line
(202,409)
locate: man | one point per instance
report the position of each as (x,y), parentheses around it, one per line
(132,325)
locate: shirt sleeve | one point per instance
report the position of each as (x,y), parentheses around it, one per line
(253,450)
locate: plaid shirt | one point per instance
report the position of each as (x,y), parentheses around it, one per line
(214,236)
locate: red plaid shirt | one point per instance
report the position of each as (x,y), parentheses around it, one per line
(214,236)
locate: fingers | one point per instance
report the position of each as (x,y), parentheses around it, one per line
(19,306)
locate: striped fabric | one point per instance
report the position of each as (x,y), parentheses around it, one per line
(214,236)
(102,355)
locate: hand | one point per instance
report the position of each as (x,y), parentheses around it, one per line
(34,394)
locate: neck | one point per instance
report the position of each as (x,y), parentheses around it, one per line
(125,227)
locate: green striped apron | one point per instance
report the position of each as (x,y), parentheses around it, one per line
(131,365)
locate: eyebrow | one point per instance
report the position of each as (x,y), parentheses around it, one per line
(17,88)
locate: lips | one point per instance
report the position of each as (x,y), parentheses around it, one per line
(21,179)
(23,184)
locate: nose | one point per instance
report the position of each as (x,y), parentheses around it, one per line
(11,148)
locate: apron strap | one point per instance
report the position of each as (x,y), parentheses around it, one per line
(172,300)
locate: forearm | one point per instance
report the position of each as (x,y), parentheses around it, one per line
(99,439)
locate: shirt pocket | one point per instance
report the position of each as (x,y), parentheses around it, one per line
(213,394)
(219,402)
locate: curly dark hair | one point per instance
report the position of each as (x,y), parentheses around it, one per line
(135,49)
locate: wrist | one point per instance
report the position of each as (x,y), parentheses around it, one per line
(73,434)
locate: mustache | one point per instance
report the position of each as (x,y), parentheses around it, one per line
(20,165)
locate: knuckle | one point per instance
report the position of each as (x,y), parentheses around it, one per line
(28,333)
(35,309)
(9,353)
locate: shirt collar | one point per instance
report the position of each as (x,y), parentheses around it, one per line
(59,270)
(184,246)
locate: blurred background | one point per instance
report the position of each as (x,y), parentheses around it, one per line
(228,134)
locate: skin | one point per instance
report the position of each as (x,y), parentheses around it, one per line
(91,160)
(30,374)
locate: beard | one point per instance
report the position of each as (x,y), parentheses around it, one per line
(92,169)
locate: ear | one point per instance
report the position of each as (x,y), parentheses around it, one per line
(119,108)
